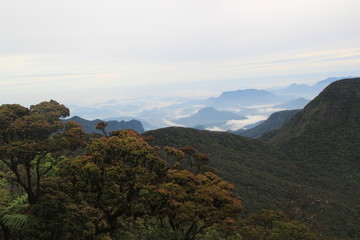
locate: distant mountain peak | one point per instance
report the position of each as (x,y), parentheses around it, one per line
(330,80)
(89,126)
(245,92)
(304,90)
(207,109)
(246,97)
(208,117)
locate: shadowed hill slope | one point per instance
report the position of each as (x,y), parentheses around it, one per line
(323,141)
(318,148)
(257,170)
(275,121)
(336,107)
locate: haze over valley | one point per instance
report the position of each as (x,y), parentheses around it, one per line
(231,110)
(179,120)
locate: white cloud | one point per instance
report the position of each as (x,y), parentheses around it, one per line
(216,129)
(269,110)
(170,123)
(238,124)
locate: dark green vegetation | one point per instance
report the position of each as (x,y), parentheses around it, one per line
(275,121)
(56,182)
(318,150)
(323,141)
(254,167)
(90,126)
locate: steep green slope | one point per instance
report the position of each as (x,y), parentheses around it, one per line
(323,141)
(275,121)
(258,170)
(319,149)
(337,106)
(326,134)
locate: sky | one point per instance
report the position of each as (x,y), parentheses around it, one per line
(87,51)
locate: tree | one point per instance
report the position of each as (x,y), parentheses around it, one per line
(121,181)
(189,203)
(116,177)
(101,127)
(32,141)
(188,158)
(117,184)
(197,162)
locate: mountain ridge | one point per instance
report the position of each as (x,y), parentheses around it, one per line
(317,149)
(323,141)
(246,97)
(89,126)
(208,117)
(275,121)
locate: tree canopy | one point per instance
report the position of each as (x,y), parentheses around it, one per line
(101,187)
(32,141)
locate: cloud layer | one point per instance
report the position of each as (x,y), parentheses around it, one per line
(113,49)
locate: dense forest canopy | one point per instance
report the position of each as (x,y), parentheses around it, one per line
(57,182)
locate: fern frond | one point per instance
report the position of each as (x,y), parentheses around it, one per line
(17,203)
(14,221)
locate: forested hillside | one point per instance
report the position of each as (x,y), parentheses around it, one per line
(56,182)
(256,169)
(317,150)
(300,182)
(323,141)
